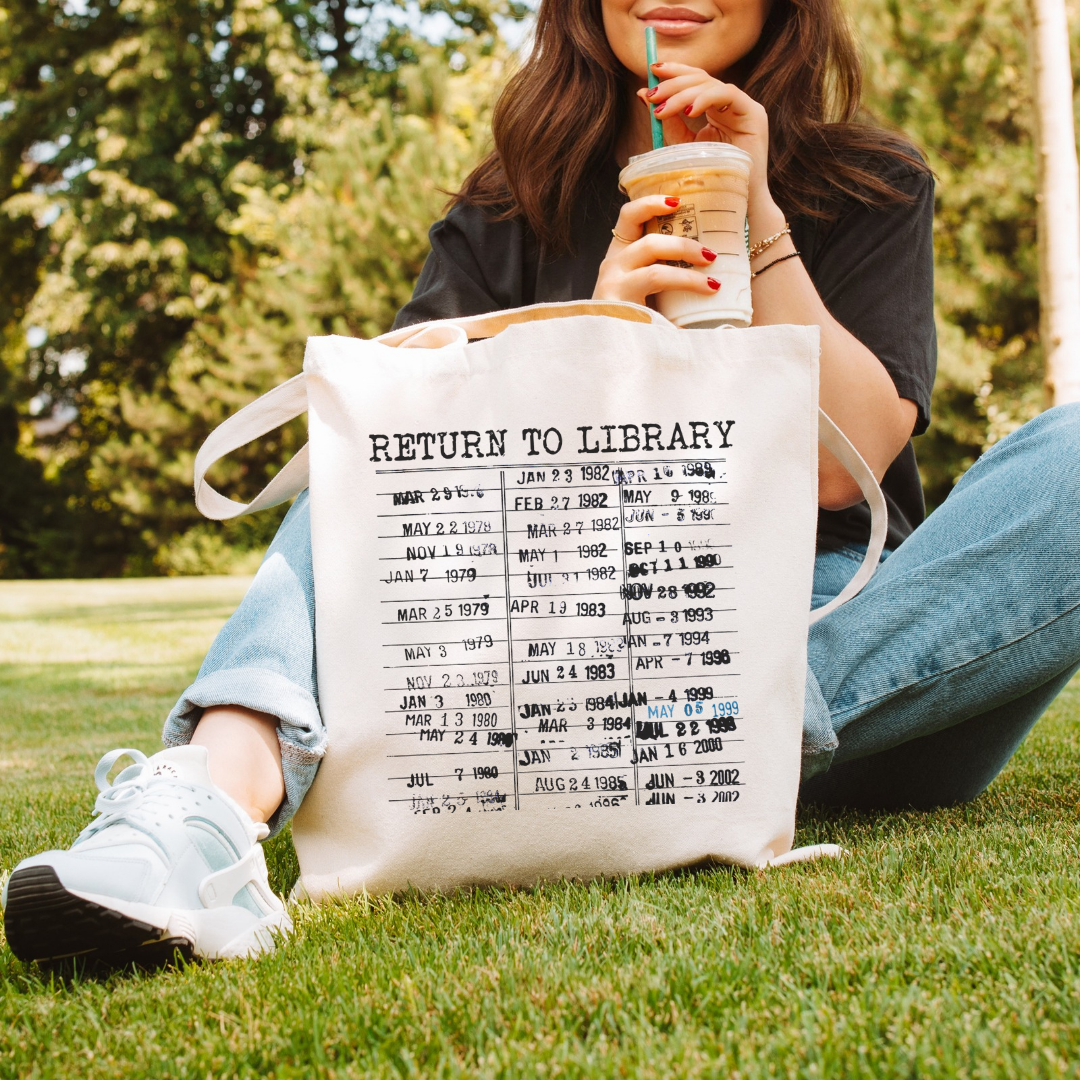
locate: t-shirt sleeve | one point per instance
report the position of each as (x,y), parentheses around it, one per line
(875,273)
(477,264)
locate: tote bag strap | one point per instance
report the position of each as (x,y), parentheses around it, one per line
(260,417)
(289,400)
(838,444)
(485,326)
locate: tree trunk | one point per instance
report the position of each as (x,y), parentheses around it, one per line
(1058,200)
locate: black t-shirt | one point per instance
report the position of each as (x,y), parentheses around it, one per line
(873,268)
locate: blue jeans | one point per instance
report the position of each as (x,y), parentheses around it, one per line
(918,691)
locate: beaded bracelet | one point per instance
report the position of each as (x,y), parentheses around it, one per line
(761,245)
(783,258)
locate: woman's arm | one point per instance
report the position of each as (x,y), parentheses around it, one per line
(856,389)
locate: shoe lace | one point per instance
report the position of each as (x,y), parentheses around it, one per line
(128,798)
(128,787)
(131,798)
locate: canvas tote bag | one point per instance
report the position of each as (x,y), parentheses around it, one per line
(563,559)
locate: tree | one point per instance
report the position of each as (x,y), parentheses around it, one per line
(128,129)
(1059,199)
(953,75)
(337,254)
(123,121)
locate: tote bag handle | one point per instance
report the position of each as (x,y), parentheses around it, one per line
(485,326)
(289,400)
(260,417)
(840,446)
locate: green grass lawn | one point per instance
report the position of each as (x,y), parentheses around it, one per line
(944,945)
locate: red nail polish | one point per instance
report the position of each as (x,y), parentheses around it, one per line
(710,255)
(651,93)
(671,200)
(688,110)
(713,283)
(658,110)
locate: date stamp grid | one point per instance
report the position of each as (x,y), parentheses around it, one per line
(475,542)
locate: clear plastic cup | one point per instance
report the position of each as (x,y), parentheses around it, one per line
(711,180)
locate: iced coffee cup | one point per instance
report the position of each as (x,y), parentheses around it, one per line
(711,180)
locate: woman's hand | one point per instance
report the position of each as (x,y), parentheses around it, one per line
(855,389)
(633,267)
(731,116)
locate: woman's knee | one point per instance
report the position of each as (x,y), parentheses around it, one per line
(1040,458)
(1054,433)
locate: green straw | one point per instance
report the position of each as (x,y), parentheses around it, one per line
(650,57)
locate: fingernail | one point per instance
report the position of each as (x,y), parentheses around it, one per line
(658,110)
(688,110)
(671,200)
(713,283)
(651,92)
(659,63)
(710,255)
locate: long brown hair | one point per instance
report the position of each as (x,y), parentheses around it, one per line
(804,70)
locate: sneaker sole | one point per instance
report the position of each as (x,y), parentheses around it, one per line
(43,921)
(47,921)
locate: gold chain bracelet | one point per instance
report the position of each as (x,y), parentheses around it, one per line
(768,242)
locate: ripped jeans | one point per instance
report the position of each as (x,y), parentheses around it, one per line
(918,691)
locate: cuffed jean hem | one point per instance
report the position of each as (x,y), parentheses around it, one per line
(833,569)
(301,734)
(819,741)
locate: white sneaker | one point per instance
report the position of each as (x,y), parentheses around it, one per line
(170,862)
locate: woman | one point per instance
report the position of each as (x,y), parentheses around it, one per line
(919,690)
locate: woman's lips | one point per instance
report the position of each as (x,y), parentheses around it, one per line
(674,22)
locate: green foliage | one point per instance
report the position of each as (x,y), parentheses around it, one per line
(124,122)
(954,75)
(134,134)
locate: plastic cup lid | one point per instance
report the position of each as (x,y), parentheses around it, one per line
(683,155)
